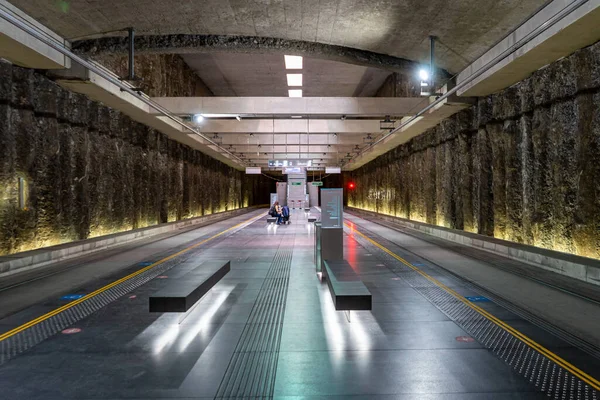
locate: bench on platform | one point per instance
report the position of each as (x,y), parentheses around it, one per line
(312,219)
(182,293)
(347,291)
(306,209)
(271,220)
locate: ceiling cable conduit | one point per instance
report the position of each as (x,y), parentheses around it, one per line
(569,8)
(39,35)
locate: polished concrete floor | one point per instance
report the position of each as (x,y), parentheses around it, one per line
(269,330)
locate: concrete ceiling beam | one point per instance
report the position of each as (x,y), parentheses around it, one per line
(24,50)
(316,149)
(291,126)
(577,29)
(288,106)
(283,139)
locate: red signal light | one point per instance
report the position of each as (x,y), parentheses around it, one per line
(351,185)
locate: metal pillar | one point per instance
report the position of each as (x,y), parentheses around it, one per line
(432,64)
(131,76)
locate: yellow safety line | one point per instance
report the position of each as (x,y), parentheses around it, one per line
(110,285)
(530,342)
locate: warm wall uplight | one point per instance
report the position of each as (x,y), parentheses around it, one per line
(23,194)
(293,62)
(294,79)
(295,92)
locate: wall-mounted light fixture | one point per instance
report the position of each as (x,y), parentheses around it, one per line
(386,124)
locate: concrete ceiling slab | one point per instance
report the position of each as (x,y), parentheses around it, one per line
(395,27)
(228,74)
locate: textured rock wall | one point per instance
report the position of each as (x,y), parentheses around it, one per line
(160,75)
(522,165)
(399,85)
(90,170)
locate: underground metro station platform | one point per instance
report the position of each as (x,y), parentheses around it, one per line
(299,199)
(269,328)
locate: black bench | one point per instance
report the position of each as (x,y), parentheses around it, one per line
(182,293)
(311,218)
(271,220)
(348,292)
(306,209)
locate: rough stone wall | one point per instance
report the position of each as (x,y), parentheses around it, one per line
(522,165)
(160,75)
(399,85)
(90,170)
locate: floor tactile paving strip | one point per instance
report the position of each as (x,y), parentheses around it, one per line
(251,371)
(537,368)
(31,336)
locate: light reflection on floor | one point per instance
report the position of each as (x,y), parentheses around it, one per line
(185,333)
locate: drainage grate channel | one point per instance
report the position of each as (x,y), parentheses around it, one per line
(35,334)
(540,370)
(252,368)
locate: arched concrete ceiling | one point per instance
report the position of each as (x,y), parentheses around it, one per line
(398,28)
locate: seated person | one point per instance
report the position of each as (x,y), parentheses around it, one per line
(275,211)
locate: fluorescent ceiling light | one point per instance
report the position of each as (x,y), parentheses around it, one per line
(295,92)
(293,62)
(294,79)
(296,116)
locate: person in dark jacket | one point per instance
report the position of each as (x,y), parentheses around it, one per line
(285,214)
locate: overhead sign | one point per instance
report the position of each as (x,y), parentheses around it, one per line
(331,208)
(293,170)
(333,170)
(253,171)
(317,183)
(290,163)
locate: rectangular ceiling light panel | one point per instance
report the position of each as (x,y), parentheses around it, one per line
(295,92)
(293,62)
(294,79)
